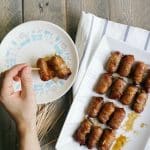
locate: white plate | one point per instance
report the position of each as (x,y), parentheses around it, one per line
(31,40)
(96,68)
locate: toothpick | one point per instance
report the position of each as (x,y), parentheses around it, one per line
(35,69)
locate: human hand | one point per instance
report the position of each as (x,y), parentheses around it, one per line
(21,104)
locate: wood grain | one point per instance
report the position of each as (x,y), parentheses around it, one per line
(49,10)
(8,133)
(132,12)
(73,12)
(74,9)
(97,7)
(10,16)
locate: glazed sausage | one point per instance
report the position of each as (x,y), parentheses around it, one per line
(106,139)
(128,95)
(113,62)
(83,130)
(46,73)
(59,66)
(147,82)
(116,118)
(117,88)
(95,106)
(106,111)
(126,65)
(104,83)
(94,136)
(140,101)
(138,73)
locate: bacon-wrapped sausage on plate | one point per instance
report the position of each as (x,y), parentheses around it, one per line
(46,73)
(106,139)
(117,88)
(113,62)
(104,83)
(82,131)
(140,101)
(94,106)
(129,94)
(62,71)
(106,111)
(126,65)
(94,136)
(117,118)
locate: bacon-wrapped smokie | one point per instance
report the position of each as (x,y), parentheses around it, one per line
(117,88)
(106,139)
(59,66)
(116,118)
(126,65)
(113,62)
(94,136)
(138,72)
(106,111)
(140,101)
(128,95)
(94,106)
(104,83)
(82,131)
(46,73)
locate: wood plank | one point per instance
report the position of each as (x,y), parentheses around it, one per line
(8,132)
(49,10)
(97,7)
(74,9)
(5,129)
(10,15)
(132,12)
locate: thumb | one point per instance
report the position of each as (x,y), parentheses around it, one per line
(26,80)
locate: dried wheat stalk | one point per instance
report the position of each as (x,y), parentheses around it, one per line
(47,145)
(47,117)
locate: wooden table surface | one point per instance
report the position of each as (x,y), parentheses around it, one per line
(65,13)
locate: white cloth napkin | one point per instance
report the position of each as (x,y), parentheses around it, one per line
(91,29)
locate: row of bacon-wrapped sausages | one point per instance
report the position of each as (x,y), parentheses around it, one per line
(107,113)
(94,136)
(126,66)
(127,94)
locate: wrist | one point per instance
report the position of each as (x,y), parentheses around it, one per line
(26,128)
(28,137)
